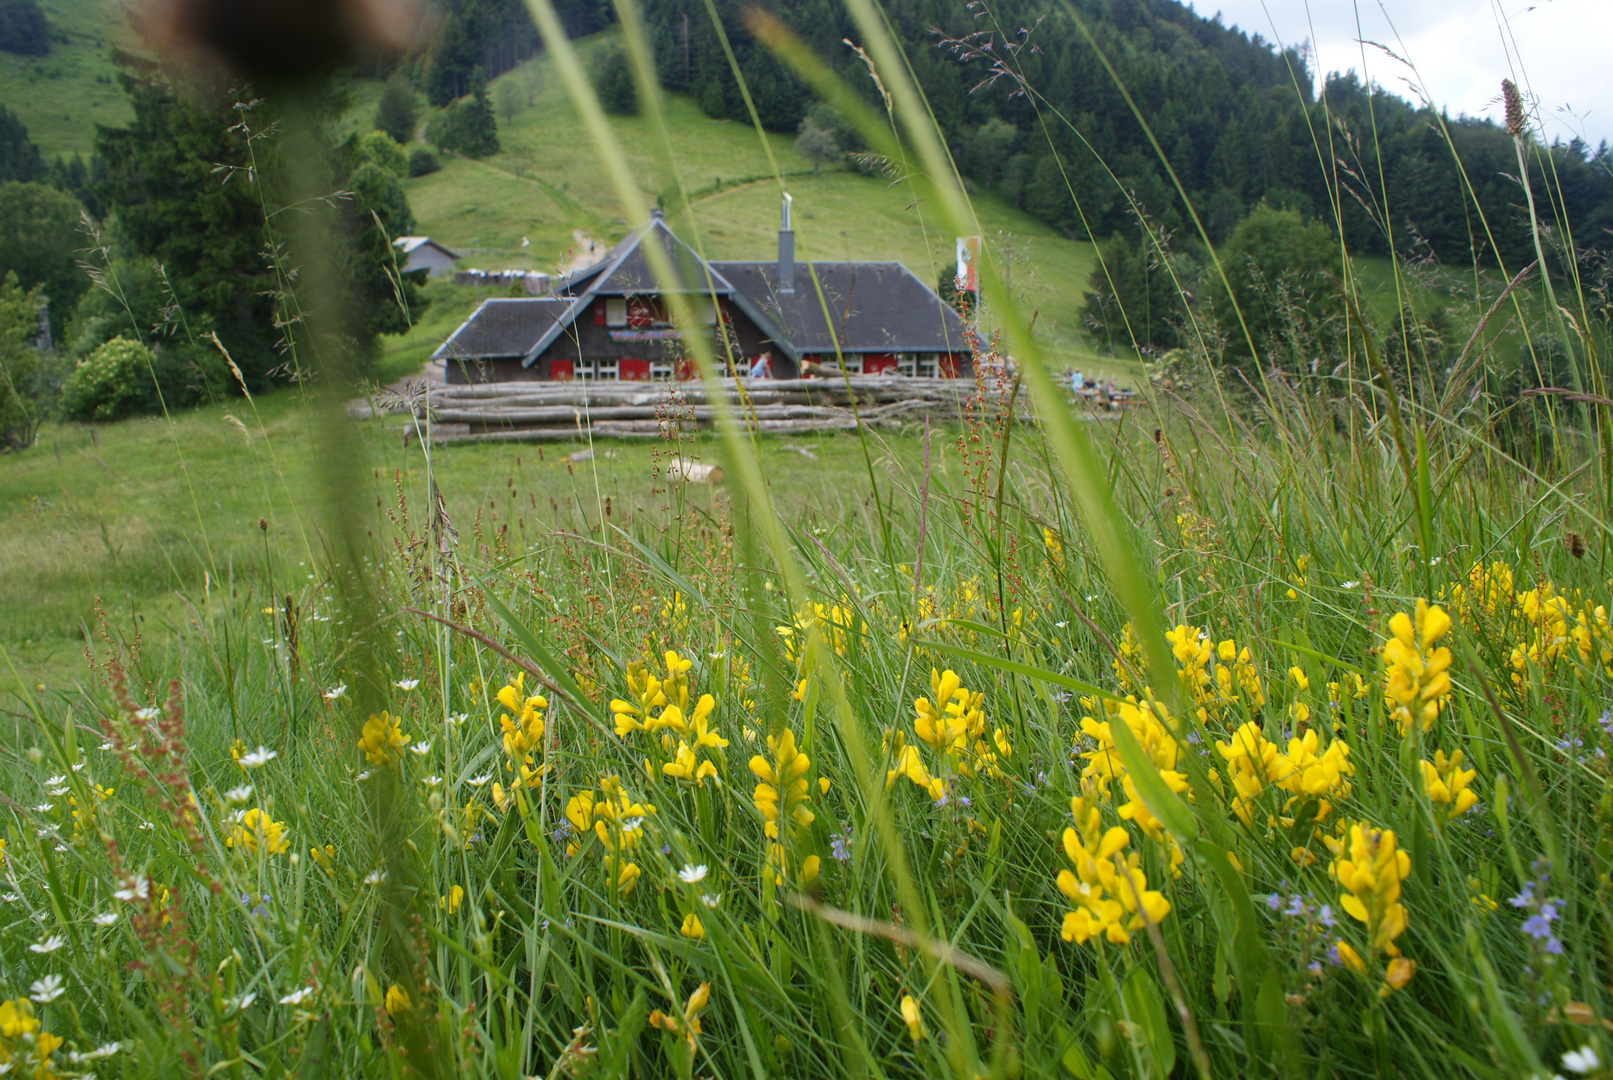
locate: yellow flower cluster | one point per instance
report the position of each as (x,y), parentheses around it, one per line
(522,731)
(1488,590)
(1111,897)
(256,831)
(782,798)
(690,727)
(1104,765)
(1445,783)
(1417,685)
(617,821)
(687,1025)
(382,740)
(84,816)
(1369,867)
(1253,762)
(1214,679)
(953,726)
(23,1046)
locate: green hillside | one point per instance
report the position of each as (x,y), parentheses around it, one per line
(62,96)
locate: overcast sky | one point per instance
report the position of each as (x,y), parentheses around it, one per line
(1557,50)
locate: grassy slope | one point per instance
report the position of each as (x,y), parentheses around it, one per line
(62,96)
(133,514)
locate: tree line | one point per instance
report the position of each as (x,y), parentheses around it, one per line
(169,250)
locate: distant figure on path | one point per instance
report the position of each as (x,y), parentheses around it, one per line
(763,368)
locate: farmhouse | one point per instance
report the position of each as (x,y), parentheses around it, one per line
(424,253)
(781,318)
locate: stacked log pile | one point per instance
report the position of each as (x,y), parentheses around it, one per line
(535,411)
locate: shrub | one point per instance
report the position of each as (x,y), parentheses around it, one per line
(423,162)
(376,148)
(398,111)
(1280,268)
(613,82)
(124,378)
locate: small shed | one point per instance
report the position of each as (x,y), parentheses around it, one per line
(424,253)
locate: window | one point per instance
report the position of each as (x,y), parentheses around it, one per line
(904,364)
(926,366)
(616,311)
(660,371)
(853,365)
(606,370)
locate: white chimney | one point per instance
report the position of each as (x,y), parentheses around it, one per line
(786,248)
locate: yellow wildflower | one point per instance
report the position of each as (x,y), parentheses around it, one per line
(782,798)
(1369,867)
(1488,590)
(1445,783)
(688,1024)
(450,903)
(382,740)
(17,1018)
(522,732)
(1417,685)
(910,1014)
(324,858)
(1112,898)
(397,1000)
(255,829)
(691,927)
(1147,724)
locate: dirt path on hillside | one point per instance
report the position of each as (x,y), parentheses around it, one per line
(586,253)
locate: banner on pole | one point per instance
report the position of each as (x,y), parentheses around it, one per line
(968,257)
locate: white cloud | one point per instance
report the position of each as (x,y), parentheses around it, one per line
(1461,50)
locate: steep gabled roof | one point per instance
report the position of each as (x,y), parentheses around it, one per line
(625,271)
(504,328)
(408,244)
(873,307)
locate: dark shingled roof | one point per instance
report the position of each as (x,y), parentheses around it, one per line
(874,307)
(502,328)
(625,271)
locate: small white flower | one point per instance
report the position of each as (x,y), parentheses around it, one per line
(375,877)
(48,945)
(422,748)
(46,990)
(56,785)
(238,794)
(47,831)
(297,997)
(1091,598)
(105,918)
(480,781)
(105,1050)
(148,714)
(145,826)
(365,775)
(432,781)
(10,898)
(689,875)
(1350,584)
(631,825)
(107,746)
(406,684)
(78,766)
(458,719)
(138,889)
(1583,1060)
(335,692)
(60,848)
(1062,625)
(44,808)
(256,759)
(240,1001)
(710,900)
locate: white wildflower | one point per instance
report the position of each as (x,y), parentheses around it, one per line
(1583,1060)
(422,748)
(238,794)
(48,945)
(375,877)
(406,684)
(335,692)
(432,781)
(105,918)
(56,785)
(297,997)
(710,900)
(480,781)
(689,875)
(46,990)
(258,758)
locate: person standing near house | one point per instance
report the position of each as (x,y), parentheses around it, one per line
(763,368)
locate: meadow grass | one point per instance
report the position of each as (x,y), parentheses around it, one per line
(1260,730)
(60,97)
